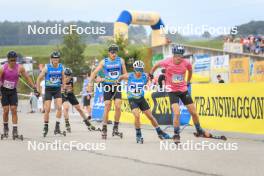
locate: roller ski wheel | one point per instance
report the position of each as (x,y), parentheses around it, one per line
(104,132)
(68,129)
(208,135)
(140,140)
(93,128)
(176,139)
(5,135)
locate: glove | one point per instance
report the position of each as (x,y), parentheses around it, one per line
(189,84)
(36,93)
(151,76)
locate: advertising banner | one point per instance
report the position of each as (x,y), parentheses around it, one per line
(239,70)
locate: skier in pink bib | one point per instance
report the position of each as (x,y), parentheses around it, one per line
(9,75)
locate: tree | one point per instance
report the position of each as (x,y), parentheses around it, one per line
(206,35)
(72,53)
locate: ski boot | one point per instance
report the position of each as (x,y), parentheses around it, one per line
(116,132)
(176,139)
(68,126)
(104,132)
(58,131)
(16,136)
(45,130)
(139,139)
(162,135)
(90,127)
(5,135)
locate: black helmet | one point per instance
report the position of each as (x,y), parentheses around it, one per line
(113,47)
(178,49)
(67,71)
(55,54)
(11,54)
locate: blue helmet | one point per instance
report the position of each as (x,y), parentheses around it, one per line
(178,49)
(11,54)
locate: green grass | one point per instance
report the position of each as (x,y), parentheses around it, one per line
(216,44)
(42,51)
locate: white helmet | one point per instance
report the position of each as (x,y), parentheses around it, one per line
(138,64)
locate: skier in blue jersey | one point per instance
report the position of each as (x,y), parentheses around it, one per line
(112,66)
(136,82)
(53,73)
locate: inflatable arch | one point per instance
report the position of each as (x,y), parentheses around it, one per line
(142,18)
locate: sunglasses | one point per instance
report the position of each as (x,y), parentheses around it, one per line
(112,52)
(138,70)
(12,60)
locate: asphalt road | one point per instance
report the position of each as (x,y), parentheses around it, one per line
(90,155)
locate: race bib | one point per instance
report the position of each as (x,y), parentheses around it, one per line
(9,84)
(113,74)
(55,80)
(177,78)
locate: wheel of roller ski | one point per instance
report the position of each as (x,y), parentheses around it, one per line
(2,136)
(14,138)
(121,135)
(21,137)
(141,141)
(223,138)
(64,133)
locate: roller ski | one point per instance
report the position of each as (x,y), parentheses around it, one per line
(209,135)
(16,136)
(58,131)
(90,127)
(139,139)
(104,132)
(45,130)
(116,132)
(162,135)
(5,134)
(176,139)
(68,126)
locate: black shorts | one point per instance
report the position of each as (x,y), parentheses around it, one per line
(112,92)
(86,101)
(71,98)
(140,103)
(184,96)
(52,92)
(9,97)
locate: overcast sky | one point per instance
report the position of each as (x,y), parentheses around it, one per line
(173,12)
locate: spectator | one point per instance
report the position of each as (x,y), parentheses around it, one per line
(220,80)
